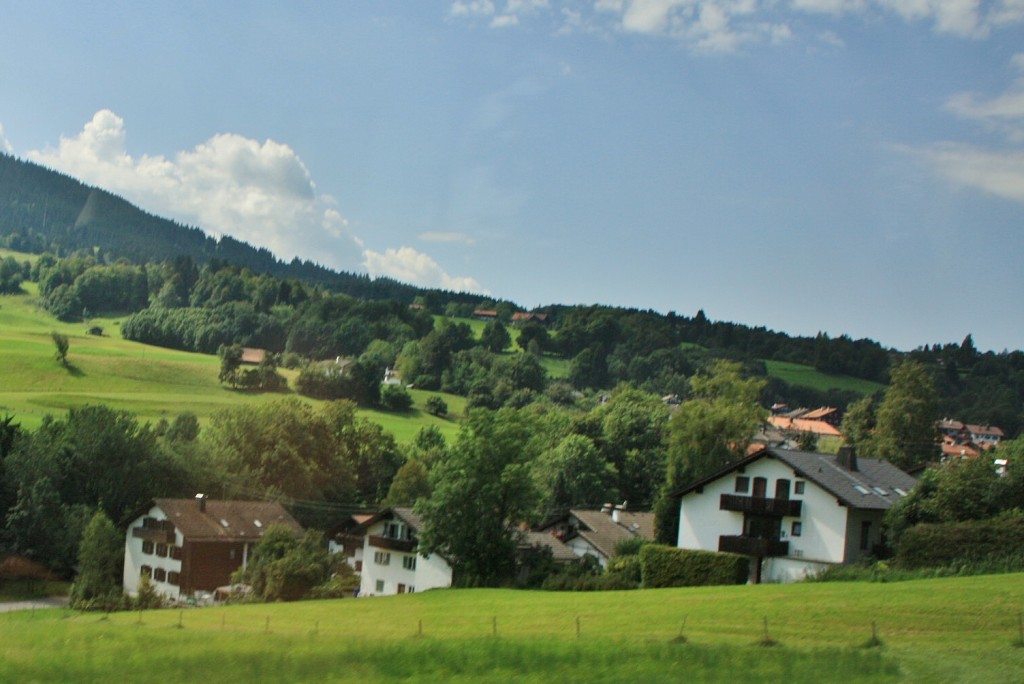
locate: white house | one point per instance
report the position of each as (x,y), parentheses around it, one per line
(794,513)
(391,563)
(190,545)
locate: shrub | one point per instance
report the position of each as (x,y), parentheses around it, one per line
(395,398)
(630,546)
(667,566)
(436,406)
(932,545)
(625,569)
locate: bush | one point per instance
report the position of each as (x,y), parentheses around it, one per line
(436,406)
(395,398)
(933,545)
(625,569)
(667,566)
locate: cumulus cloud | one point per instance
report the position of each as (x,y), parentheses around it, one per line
(261,193)
(408,265)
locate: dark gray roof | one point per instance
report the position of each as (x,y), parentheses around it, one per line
(872,486)
(877,476)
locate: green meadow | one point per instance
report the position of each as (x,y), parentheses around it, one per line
(808,376)
(151,382)
(939,630)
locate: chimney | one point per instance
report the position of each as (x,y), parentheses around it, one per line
(618,508)
(201,500)
(847,458)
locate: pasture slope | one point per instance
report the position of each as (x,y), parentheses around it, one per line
(151,382)
(940,630)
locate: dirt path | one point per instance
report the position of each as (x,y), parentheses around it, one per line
(51,602)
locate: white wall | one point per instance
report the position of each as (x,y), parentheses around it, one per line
(823,520)
(430,573)
(134,559)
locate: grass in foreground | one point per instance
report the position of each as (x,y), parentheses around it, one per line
(943,630)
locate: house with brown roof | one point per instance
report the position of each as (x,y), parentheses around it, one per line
(521,318)
(596,533)
(190,546)
(793,513)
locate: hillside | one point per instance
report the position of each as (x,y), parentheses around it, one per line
(149,381)
(503,635)
(594,347)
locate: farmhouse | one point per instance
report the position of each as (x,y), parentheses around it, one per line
(595,533)
(793,513)
(391,563)
(193,545)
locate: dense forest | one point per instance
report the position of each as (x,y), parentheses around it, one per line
(190,291)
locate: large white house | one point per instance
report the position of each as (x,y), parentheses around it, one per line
(391,563)
(794,513)
(193,545)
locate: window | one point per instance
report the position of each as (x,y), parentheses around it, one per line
(176,552)
(782,489)
(760,486)
(409,562)
(797,529)
(160,575)
(742,484)
(798,487)
(145,570)
(380,586)
(359,566)
(865,535)
(161,550)
(382,557)
(147,547)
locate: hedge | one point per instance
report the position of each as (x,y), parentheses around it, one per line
(931,545)
(667,566)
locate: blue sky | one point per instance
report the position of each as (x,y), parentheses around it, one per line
(850,166)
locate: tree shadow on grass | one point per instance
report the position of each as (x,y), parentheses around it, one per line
(73,370)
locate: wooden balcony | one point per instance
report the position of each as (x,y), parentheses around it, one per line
(157,536)
(404,545)
(760,505)
(751,546)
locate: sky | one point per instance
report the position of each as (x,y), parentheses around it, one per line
(846,166)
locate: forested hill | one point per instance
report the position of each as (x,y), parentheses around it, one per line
(42,210)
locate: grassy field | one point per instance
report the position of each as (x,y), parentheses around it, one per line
(940,630)
(807,376)
(151,382)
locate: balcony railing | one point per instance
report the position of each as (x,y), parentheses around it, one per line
(406,545)
(760,505)
(752,546)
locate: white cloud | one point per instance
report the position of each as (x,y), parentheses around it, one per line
(1004,112)
(261,193)
(504,20)
(996,173)
(450,237)
(5,146)
(999,172)
(409,266)
(725,25)
(472,8)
